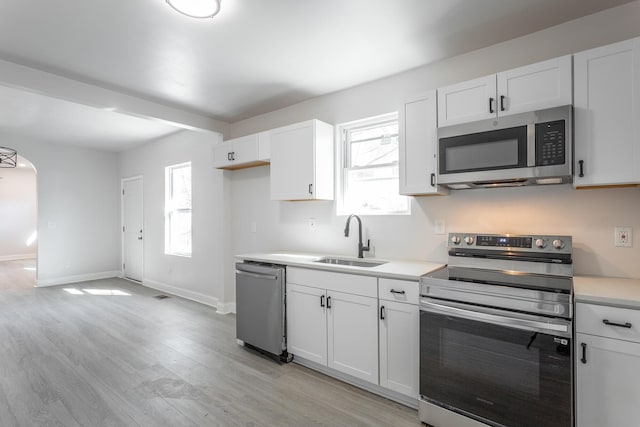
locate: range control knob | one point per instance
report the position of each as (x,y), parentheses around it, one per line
(558,244)
(455,240)
(541,243)
(468,240)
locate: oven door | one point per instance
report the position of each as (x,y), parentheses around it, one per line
(503,370)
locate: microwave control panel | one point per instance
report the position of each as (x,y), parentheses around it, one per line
(550,143)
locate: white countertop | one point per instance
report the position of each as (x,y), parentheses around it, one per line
(607,290)
(393,269)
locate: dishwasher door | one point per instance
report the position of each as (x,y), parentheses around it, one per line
(260,309)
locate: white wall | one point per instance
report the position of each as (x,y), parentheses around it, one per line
(201,276)
(78,210)
(18,216)
(588,215)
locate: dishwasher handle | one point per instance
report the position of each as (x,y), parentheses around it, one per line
(256,275)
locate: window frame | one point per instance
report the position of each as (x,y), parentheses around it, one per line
(168,211)
(343,160)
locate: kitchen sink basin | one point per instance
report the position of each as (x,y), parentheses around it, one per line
(351,262)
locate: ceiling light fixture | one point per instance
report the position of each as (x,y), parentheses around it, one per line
(8,157)
(196,8)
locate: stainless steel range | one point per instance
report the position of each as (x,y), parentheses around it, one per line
(496,333)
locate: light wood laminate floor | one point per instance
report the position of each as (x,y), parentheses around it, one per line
(133,360)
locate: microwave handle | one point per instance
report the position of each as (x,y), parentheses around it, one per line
(531,145)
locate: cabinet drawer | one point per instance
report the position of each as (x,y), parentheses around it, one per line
(590,319)
(399,290)
(340,282)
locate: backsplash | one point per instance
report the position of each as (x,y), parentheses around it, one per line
(588,215)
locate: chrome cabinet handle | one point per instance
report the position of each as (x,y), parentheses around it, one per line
(491,106)
(382,312)
(583,359)
(502,103)
(393,291)
(328,302)
(322,301)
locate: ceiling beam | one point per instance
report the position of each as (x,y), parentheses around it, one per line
(60,87)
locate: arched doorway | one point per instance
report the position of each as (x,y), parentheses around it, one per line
(18,225)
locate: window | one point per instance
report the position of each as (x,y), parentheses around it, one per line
(177,236)
(369,181)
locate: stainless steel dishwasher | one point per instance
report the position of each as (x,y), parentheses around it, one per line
(260,308)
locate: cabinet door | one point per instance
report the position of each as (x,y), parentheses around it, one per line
(467,101)
(222,155)
(607,384)
(353,335)
(537,86)
(307,323)
(400,347)
(607,115)
(418,146)
(292,162)
(245,149)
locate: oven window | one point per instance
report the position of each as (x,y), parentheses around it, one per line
(519,370)
(495,374)
(498,149)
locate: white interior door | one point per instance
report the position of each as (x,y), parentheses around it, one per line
(132,230)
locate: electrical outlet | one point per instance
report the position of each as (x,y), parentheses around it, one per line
(51,225)
(312,223)
(624,237)
(438,227)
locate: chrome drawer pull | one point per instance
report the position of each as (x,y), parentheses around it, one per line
(393,291)
(621,325)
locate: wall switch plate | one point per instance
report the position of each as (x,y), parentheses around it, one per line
(624,237)
(312,223)
(51,225)
(438,227)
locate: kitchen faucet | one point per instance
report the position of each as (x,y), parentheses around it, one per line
(361,247)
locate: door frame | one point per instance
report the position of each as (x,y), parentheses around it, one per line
(122,181)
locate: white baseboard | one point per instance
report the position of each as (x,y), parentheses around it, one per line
(41,283)
(184,293)
(17,257)
(226,308)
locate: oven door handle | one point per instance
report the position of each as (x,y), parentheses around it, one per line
(556,328)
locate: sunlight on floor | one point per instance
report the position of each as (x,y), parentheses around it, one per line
(76,291)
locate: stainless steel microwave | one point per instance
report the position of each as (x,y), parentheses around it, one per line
(531,148)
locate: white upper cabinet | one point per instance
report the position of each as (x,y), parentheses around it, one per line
(538,86)
(533,87)
(607,115)
(418,146)
(244,152)
(302,161)
(467,101)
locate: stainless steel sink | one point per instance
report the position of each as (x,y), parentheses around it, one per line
(351,262)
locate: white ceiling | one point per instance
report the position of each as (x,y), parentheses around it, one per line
(255,55)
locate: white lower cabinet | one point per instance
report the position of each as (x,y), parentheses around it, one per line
(306,323)
(332,328)
(607,384)
(607,366)
(399,346)
(362,326)
(353,335)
